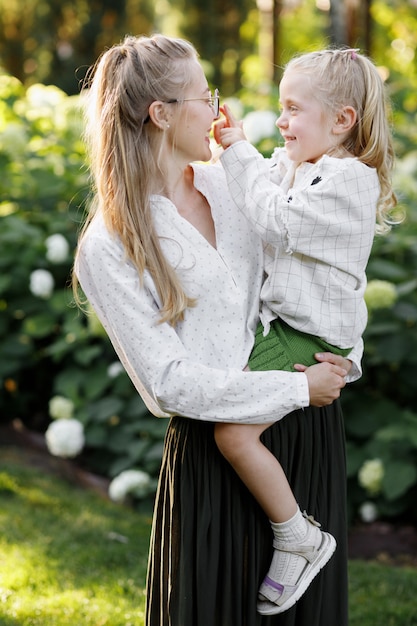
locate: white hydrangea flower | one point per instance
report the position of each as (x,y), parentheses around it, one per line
(57,248)
(115,369)
(131,481)
(43,100)
(14,140)
(41,283)
(370,476)
(380,294)
(259,125)
(368,512)
(65,438)
(235,106)
(61,408)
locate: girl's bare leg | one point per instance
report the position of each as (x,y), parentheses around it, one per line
(301,549)
(257,467)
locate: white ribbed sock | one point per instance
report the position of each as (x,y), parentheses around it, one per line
(286,567)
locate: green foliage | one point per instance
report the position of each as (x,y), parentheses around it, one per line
(312,36)
(54,43)
(49,348)
(372,590)
(223,41)
(381,408)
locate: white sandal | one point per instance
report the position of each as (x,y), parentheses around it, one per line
(317,548)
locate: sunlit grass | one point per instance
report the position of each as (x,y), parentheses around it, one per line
(70,558)
(39,590)
(67,557)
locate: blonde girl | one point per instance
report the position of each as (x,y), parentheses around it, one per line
(317,204)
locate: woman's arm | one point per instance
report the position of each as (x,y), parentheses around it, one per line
(167,375)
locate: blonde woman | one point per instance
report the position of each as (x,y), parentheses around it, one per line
(174,274)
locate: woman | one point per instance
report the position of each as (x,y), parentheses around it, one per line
(174,274)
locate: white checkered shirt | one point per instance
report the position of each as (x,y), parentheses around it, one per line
(318,224)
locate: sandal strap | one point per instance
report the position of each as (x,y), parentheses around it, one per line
(308,547)
(275,592)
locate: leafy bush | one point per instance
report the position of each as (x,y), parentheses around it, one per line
(380,409)
(55,363)
(49,349)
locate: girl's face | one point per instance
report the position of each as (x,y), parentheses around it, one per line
(193,119)
(304,124)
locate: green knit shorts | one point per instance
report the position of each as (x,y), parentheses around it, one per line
(283,346)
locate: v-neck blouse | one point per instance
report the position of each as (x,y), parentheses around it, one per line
(194,369)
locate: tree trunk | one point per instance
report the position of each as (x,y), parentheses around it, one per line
(338,23)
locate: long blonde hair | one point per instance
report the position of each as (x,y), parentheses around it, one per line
(124,148)
(343,77)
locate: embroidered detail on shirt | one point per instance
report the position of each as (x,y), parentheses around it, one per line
(316,180)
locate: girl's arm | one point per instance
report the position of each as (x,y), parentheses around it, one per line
(338,204)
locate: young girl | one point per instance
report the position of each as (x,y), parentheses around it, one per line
(316,203)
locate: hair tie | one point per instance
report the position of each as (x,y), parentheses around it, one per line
(353,53)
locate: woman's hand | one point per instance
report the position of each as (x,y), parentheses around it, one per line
(325,381)
(228,130)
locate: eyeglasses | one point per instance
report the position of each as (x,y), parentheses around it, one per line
(213,101)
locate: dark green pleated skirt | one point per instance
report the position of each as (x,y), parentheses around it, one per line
(211,543)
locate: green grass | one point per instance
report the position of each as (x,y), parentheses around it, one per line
(382,595)
(70,558)
(67,556)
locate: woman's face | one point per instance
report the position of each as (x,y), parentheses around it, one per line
(189,132)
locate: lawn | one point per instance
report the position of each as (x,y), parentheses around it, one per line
(68,557)
(382,595)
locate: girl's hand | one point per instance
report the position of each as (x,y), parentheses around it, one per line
(328,357)
(228,130)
